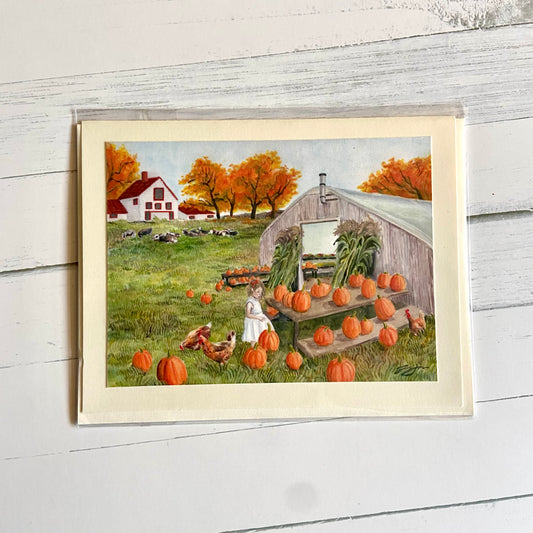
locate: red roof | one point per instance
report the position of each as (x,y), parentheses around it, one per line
(115,207)
(191,210)
(139,186)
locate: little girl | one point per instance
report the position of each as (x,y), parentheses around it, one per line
(255,320)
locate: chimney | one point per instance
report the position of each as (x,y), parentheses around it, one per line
(323,196)
(144,175)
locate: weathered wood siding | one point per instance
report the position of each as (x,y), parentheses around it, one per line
(401,251)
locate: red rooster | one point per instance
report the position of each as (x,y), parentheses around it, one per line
(416,325)
(219,352)
(192,340)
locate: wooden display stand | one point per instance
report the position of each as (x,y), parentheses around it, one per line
(322,307)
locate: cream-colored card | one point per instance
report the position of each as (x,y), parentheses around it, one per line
(244,269)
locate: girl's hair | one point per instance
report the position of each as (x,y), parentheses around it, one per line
(253,285)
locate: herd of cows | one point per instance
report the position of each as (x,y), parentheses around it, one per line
(172,237)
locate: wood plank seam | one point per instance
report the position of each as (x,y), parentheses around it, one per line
(488,501)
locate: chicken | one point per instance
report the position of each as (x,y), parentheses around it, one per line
(192,340)
(219,352)
(416,325)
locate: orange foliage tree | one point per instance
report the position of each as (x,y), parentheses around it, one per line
(122,169)
(411,179)
(206,184)
(262,180)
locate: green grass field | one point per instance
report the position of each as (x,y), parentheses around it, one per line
(148,309)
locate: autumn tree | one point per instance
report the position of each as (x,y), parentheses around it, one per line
(411,179)
(262,180)
(206,183)
(122,169)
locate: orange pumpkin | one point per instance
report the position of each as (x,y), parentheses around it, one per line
(271,311)
(171,370)
(384,280)
(233,281)
(190,293)
(293,360)
(206,298)
(388,335)
(301,301)
(287,299)
(351,327)
(320,289)
(398,283)
(255,357)
(368,288)
(219,285)
(341,296)
(356,280)
(229,272)
(323,336)
(340,369)
(384,308)
(279,292)
(367,326)
(269,340)
(142,360)
(228,288)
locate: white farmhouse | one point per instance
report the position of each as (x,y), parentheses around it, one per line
(147,198)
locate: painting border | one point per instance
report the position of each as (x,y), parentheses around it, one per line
(450,395)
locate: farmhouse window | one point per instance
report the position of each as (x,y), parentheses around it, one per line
(171,215)
(158,205)
(168,205)
(159,193)
(113,215)
(210,216)
(136,201)
(148,205)
(191,217)
(147,215)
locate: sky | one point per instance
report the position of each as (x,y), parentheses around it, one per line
(347,162)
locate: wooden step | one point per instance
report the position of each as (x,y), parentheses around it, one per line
(342,343)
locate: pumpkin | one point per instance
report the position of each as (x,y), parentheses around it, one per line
(206,298)
(287,299)
(171,370)
(190,293)
(384,280)
(368,288)
(219,285)
(351,327)
(388,335)
(367,326)
(398,283)
(384,308)
(142,360)
(229,272)
(233,281)
(301,301)
(255,357)
(320,289)
(271,311)
(323,336)
(293,360)
(341,296)
(268,339)
(356,280)
(279,292)
(228,288)
(340,369)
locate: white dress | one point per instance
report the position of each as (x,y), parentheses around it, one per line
(252,327)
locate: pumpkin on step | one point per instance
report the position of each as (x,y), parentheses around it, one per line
(384,308)
(323,336)
(279,292)
(398,283)
(301,301)
(351,327)
(341,296)
(356,280)
(384,280)
(368,288)
(367,326)
(320,289)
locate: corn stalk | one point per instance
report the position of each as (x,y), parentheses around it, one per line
(286,257)
(356,244)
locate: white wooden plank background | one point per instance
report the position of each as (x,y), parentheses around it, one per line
(242,58)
